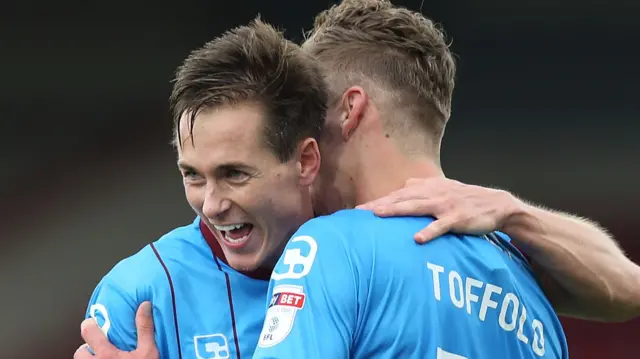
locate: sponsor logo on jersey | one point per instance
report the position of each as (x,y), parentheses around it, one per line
(288,299)
(211,346)
(283,306)
(297,265)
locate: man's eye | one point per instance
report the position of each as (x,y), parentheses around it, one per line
(190,175)
(237,175)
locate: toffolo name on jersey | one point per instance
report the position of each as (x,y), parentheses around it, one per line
(512,317)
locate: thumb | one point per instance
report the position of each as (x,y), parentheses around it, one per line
(145,327)
(94,336)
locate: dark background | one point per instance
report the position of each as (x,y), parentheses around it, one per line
(545,106)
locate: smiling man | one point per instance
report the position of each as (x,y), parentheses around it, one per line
(249,107)
(253,199)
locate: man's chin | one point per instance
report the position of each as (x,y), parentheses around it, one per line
(244,264)
(244,267)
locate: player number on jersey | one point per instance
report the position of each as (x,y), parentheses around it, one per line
(441,354)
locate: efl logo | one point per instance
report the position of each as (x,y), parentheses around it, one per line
(288,299)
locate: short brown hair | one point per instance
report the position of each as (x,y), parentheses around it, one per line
(397,49)
(255,63)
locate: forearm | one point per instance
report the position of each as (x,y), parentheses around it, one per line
(598,280)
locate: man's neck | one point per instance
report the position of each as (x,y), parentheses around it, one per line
(388,170)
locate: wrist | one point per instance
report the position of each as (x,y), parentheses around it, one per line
(518,219)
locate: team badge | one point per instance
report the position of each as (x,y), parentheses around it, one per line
(283,306)
(294,258)
(212,346)
(99,313)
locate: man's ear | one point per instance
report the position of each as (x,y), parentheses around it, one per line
(308,161)
(353,105)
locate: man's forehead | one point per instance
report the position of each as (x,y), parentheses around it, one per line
(236,121)
(200,150)
(219,137)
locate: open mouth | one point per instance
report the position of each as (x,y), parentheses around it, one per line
(235,235)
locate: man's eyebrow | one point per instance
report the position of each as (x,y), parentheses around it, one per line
(223,166)
(184,165)
(232,164)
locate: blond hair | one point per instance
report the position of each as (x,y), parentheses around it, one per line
(398,51)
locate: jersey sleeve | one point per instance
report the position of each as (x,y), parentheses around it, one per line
(114,310)
(312,299)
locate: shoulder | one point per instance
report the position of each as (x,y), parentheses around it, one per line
(145,267)
(318,243)
(331,231)
(351,218)
(343,219)
(181,238)
(355,226)
(347,236)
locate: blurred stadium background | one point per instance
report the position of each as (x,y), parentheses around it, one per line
(545,106)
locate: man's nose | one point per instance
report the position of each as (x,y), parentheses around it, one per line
(214,204)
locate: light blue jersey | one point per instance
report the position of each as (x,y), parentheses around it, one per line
(202,308)
(353,285)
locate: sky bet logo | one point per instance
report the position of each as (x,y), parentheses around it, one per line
(288,299)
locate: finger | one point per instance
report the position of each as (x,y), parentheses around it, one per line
(401,195)
(145,327)
(434,229)
(82,352)
(366,206)
(383,201)
(93,335)
(414,207)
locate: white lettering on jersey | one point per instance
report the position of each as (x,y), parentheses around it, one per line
(471,283)
(456,299)
(293,258)
(538,337)
(487,302)
(99,313)
(442,354)
(436,270)
(283,306)
(512,313)
(523,318)
(509,299)
(211,346)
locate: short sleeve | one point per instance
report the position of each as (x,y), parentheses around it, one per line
(114,310)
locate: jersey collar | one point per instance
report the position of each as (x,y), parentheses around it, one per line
(211,240)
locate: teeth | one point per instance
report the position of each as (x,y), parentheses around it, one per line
(228,227)
(238,240)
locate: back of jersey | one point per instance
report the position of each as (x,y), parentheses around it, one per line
(457,297)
